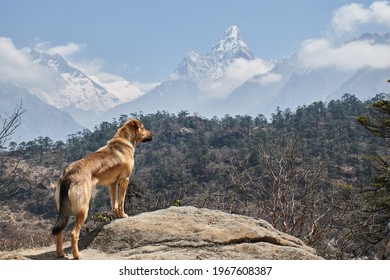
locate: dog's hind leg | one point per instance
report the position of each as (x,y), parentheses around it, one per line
(59,251)
(81,216)
(64,207)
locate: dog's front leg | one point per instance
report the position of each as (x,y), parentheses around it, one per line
(113,191)
(123,183)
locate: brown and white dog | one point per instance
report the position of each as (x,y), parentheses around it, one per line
(109,166)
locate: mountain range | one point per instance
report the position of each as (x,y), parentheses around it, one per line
(232,80)
(38,119)
(229,79)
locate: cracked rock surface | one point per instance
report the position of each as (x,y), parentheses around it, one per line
(184,233)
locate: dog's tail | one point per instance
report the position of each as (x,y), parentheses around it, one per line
(64,207)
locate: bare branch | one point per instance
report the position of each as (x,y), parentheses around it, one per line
(10,124)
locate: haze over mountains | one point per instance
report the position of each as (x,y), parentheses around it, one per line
(230,79)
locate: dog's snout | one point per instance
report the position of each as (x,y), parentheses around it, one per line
(148,137)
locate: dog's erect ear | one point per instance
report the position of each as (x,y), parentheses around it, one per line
(134,123)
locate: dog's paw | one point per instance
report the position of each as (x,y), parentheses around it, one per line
(61,256)
(77,257)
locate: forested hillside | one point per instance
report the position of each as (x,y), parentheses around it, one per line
(307,172)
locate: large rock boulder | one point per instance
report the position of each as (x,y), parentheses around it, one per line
(192,233)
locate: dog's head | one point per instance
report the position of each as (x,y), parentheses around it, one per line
(134,131)
(140,133)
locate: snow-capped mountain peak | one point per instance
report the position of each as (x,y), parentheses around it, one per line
(192,67)
(230,80)
(73,88)
(81,95)
(231,46)
(215,65)
(54,62)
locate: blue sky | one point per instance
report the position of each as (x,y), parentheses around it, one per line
(145,40)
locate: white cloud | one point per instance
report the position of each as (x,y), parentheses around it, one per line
(65,51)
(174,76)
(237,73)
(269,78)
(124,90)
(241,69)
(353,55)
(90,67)
(317,53)
(146,87)
(16,65)
(118,86)
(121,88)
(68,51)
(348,18)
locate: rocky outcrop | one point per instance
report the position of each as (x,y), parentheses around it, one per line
(185,233)
(192,233)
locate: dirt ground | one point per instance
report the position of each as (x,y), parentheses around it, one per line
(48,253)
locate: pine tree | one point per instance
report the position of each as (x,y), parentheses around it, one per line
(378,198)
